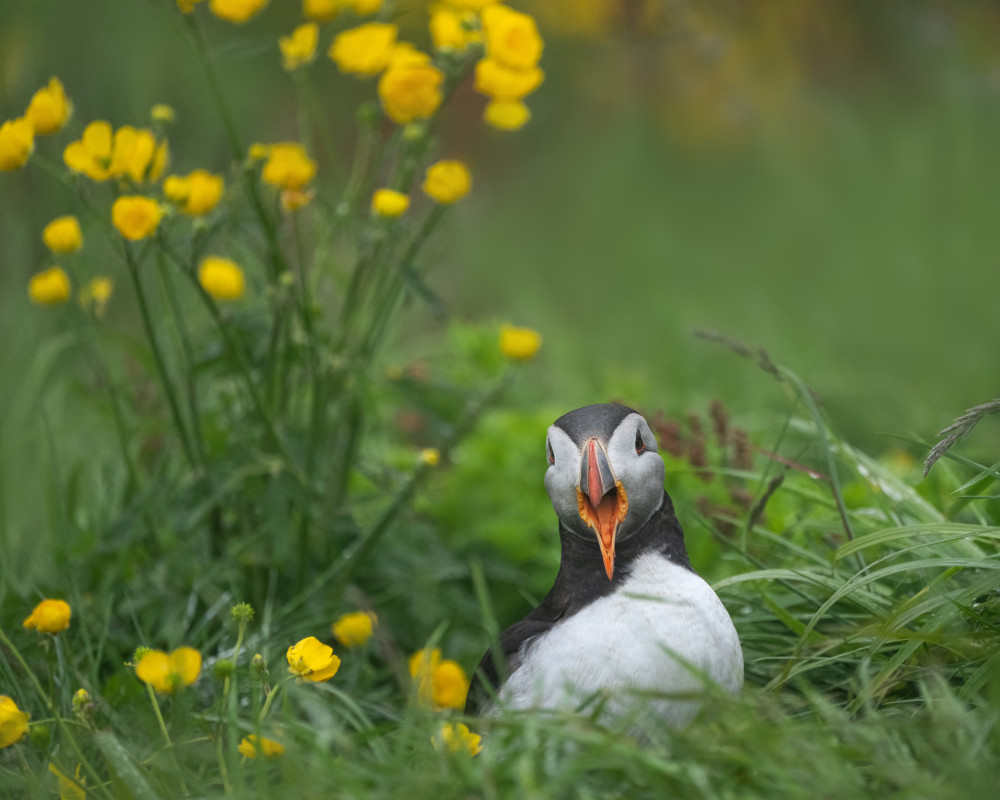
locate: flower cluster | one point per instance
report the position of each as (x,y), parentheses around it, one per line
(510,70)
(48,111)
(168,672)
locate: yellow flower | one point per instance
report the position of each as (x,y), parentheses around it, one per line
(511,37)
(168,673)
(161,112)
(300,47)
(135,216)
(364,50)
(405,54)
(250,745)
(49,109)
(70,788)
(431,456)
(354,629)
(363,7)
(389,203)
(312,660)
(63,235)
(221,278)
(17,141)
(196,194)
(440,683)
(447,181)
(49,287)
(320,10)
(519,343)
(136,154)
(447,30)
(13,722)
(50,616)
(506,115)
(258,151)
(411,90)
(91,153)
(238,11)
(94,297)
(288,166)
(458,737)
(503,83)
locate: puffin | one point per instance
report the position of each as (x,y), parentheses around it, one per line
(628,629)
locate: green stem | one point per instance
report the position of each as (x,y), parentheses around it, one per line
(161,365)
(268,701)
(166,736)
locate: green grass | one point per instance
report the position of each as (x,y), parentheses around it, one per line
(865,595)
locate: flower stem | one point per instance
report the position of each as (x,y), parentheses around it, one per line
(166,736)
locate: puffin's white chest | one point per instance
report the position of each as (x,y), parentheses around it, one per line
(663,631)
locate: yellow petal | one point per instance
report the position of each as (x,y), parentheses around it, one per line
(154,669)
(185,664)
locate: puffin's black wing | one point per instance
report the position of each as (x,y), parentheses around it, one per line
(501,661)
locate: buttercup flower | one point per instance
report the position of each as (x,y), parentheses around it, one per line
(300,47)
(136,154)
(221,278)
(49,109)
(389,203)
(503,83)
(354,629)
(520,344)
(91,153)
(447,181)
(95,295)
(70,788)
(364,50)
(511,37)
(288,166)
(320,10)
(63,235)
(13,722)
(440,683)
(49,287)
(17,141)
(447,30)
(196,194)
(168,673)
(251,745)
(458,737)
(49,616)
(238,11)
(431,456)
(410,91)
(506,115)
(312,660)
(135,216)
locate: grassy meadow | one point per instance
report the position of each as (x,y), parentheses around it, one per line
(272,432)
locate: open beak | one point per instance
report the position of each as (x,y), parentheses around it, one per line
(602,500)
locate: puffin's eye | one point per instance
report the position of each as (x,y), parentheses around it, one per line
(640,445)
(548,452)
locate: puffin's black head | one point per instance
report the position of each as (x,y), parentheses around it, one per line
(605,476)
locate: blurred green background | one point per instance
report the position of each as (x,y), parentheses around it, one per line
(816,178)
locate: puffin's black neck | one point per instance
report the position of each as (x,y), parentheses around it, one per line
(582,580)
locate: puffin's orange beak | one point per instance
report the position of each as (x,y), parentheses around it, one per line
(603,504)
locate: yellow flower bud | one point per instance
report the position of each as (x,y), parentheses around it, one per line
(312,660)
(161,112)
(457,737)
(49,287)
(81,697)
(196,194)
(135,216)
(168,673)
(95,295)
(440,683)
(238,11)
(49,616)
(320,10)
(389,203)
(251,745)
(288,166)
(17,141)
(364,50)
(447,181)
(354,629)
(506,115)
(411,90)
(13,722)
(448,31)
(431,456)
(511,37)
(221,278)
(63,235)
(49,109)
(300,47)
(520,344)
